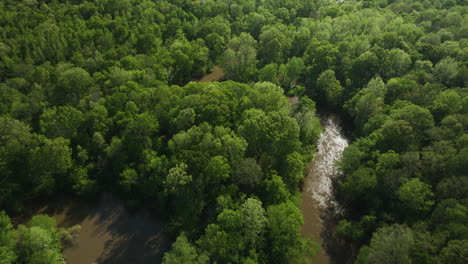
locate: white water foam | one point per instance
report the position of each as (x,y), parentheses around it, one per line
(330,149)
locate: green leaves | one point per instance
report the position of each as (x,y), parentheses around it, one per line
(446,103)
(359,186)
(273,133)
(239,60)
(189,58)
(456,252)
(368,102)
(183,251)
(40,242)
(218,170)
(288,246)
(398,135)
(249,173)
(45,159)
(72,84)
(416,195)
(63,121)
(446,70)
(330,87)
(254,220)
(95,87)
(177,178)
(7,240)
(395,63)
(236,234)
(389,245)
(275,43)
(320,56)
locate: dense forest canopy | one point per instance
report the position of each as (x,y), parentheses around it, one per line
(96,95)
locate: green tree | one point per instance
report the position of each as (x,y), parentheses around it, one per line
(128,178)
(399,88)
(416,195)
(138,134)
(390,244)
(275,44)
(216,45)
(309,123)
(398,135)
(269,73)
(367,102)
(40,242)
(7,240)
(268,97)
(364,68)
(288,246)
(291,72)
(239,61)
(293,169)
(351,159)
(330,87)
(72,85)
(274,133)
(455,252)
(183,251)
(320,56)
(275,190)
(359,187)
(249,172)
(446,70)
(449,216)
(184,120)
(63,121)
(254,220)
(446,103)
(395,63)
(53,158)
(224,241)
(177,178)
(418,117)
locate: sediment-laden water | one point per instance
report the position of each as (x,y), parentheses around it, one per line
(109,234)
(319,206)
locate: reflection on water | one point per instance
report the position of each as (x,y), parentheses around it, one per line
(318,203)
(109,234)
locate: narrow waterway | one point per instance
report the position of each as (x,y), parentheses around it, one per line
(319,207)
(216,75)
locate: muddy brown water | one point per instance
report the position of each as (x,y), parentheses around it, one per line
(216,75)
(319,207)
(109,234)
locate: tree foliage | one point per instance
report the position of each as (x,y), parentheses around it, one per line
(98,95)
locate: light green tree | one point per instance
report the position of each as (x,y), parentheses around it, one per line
(254,221)
(183,251)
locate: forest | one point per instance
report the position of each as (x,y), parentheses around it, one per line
(101,96)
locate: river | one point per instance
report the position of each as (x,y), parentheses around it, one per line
(319,207)
(109,234)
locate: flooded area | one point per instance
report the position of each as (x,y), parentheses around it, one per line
(109,233)
(319,206)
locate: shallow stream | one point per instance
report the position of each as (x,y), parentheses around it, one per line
(319,206)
